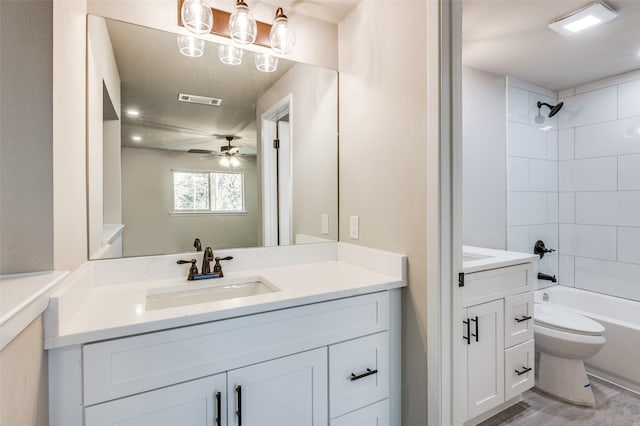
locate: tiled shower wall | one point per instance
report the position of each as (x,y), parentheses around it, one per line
(532,200)
(599,186)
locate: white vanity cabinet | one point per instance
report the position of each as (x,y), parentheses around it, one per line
(496,339)
(318,364)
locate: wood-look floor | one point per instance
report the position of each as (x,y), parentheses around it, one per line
(614,407)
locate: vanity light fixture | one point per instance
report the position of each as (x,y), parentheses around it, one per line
(230,55)
(596,13)
(191,46)
(266,62)
(281,36)
(242,26)
(196,16)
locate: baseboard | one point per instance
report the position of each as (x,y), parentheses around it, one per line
(614,380)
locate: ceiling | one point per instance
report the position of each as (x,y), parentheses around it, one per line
(511,37)
(332,11)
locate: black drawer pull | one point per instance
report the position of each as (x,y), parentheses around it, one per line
(476,321)
(361,375)
(468,336)
(524,318)
(218,419)
(525,370)
(239,404)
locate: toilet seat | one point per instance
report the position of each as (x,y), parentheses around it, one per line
(554,317)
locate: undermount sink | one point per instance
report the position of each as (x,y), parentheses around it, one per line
(211,291)
(468,257)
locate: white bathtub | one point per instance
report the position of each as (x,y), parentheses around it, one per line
(618,360)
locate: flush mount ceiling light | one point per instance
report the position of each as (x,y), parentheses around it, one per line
(596,13)
(196,16)
(281,36)
(242,26)
(191,46)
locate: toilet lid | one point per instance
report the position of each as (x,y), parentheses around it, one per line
(561,319)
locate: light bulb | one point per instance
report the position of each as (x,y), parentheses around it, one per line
(282,37)
(196,16)
(190,46)
(242,26)
(266,62)
(224,162)
(230,55)
(234,162)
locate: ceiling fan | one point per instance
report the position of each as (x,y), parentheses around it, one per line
(229,154)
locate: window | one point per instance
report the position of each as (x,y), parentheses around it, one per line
(208,192)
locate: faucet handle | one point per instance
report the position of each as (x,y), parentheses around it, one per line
(217,268)
(193,270)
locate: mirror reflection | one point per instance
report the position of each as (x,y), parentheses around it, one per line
(194,144)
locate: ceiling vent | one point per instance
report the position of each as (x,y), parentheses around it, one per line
(202,100)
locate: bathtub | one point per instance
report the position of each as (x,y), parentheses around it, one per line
(617,361)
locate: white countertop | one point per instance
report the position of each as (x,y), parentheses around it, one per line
(118,309)
(22,298)
(481,259)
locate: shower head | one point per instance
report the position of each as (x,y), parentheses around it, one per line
(554,108)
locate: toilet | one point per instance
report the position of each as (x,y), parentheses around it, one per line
(564,339)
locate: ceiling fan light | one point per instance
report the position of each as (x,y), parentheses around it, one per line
(196,16)
(230,55)
(234,162)
(225,162)
(266,62)
(242,26)
(282,37)
(191,46)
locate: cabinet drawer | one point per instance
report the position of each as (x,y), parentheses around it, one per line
(480,287)
(358,373)
(519,369)
(121,367)
(518,319)
(373,415)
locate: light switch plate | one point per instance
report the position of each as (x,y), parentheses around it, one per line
(324,219)
(354,226)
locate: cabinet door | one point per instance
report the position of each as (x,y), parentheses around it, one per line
(518,319)
(199,402)
(289,391)
(372,415)
(485,357)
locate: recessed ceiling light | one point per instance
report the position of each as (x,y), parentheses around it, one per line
(595,14)
(136,138)
(133,112)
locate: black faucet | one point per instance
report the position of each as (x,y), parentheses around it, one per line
(217,268)
(551,278)
(193,270)
(197,244)
(540,249)
(208,257)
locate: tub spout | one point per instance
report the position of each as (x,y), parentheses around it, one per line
(551,278)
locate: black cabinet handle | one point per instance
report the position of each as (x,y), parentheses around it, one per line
(239,404)
(523,318)
(369,372)
(524,370)
(467,337)
(476,321)
(218,409)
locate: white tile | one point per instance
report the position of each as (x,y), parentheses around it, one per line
(527,141)
(597,140)
(607,82)
(628,208)
(530,87)
(549,265)
(629,99)
(535,113)
(566,144)
(566,270)
(629,136)
(566,93)
(593,174)
(552,144)
(552,207)
(629,172)
(543,175)
(588,241)
(567,207)
(518,105)
(518,174)
(629,245)
(589,108)
(597,208)
(613,278)
(546,233)
(518,239)
(527,208)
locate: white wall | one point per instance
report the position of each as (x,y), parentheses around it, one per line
(314,124)
(484,165)
(599,178)
(26,187)
(147,199)
(383,159)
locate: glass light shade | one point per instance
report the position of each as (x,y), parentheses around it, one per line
(230,55)
(196,16)
(282,37)
(224,162)
(242,26)
(191,46)
(266,62)
(234,162)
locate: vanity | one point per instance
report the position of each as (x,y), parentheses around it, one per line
(496,343)
(322,346)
